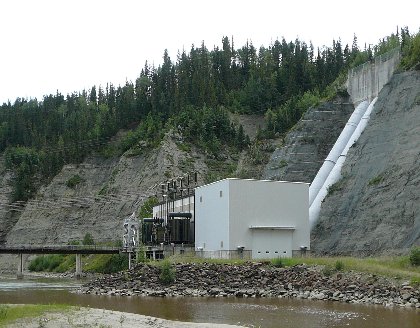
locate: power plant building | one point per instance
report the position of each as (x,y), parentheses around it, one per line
(241,218)
(259,218)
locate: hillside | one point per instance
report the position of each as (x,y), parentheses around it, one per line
(375,208)
(82,163)
(109,189)
(307,145)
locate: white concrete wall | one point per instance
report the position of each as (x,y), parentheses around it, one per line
(212,216)
(268,203)
(365,81)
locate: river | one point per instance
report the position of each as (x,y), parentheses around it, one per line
(250,312)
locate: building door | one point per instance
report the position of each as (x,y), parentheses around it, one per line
(268,244)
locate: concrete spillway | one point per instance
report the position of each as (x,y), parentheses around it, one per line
(363,84)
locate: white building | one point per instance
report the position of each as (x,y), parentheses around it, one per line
(267,219)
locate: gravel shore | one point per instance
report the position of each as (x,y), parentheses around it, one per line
(89,317)
(258,280)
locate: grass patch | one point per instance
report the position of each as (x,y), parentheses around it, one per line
(74,181)
(335,187)
(376,180)
(393,267)
(9,313)
(198,260)
(106,263)
(184,147)
(415,256)
(53,263)
(277,262)
(219,169)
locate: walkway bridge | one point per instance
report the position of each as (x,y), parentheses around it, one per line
(79,250)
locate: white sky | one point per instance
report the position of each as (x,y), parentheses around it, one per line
(70,45)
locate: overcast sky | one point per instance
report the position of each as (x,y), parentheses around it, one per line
(70,45)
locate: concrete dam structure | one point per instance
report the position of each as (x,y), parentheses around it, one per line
(363,85)
(365,81)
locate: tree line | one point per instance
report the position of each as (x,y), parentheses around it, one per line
(192,93)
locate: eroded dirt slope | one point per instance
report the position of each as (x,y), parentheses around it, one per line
(109,191)
(309,142)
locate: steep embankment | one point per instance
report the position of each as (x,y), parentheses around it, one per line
(375,208)
(8,217)
(107,191)
(309,142)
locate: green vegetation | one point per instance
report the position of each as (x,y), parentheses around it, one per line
(88,239)
(210,129)
(53,263)
(415,256)
(219,170)
(411,51)
(191,95)
(146,210)
(394,267)
(376,180)
(339,265)
(277,262)
(74,181)
(10,313)
(106,263)
(148,134)
(101,263)
(336,186)
(167,273)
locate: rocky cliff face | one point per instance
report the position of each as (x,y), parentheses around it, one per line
(375,208)
(108,191)
(8,216)
(309,142)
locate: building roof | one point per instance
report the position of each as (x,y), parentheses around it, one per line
(255,180)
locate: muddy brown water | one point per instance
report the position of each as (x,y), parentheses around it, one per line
(250,312)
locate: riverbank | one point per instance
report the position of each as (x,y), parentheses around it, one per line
(258,280)
(89,317)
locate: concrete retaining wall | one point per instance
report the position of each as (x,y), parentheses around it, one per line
(365,81)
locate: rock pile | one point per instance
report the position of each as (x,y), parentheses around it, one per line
(257,280)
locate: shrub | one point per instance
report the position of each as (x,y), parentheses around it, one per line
(327,271)
(277,262)
(167,273)
(46,262)
(107,263)
(411,55)
(74,181)
(67,264)
(339,265)
(375,180)
(146,210)
(88,239)
(415,256)
(335,187)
